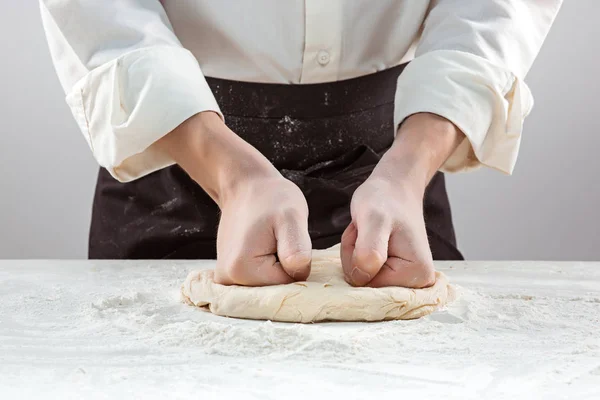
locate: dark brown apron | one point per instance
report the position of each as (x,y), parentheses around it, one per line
(326,138)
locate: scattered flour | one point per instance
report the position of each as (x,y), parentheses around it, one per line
(99,328)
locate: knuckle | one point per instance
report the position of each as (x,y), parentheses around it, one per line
(368,261)
(426,275)
(237,270)
(369,257)
(289,213)
(376,218)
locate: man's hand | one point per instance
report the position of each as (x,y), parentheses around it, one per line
(263,233)
(266,216)
(386,243)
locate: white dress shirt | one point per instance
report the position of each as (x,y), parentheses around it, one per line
(133,70)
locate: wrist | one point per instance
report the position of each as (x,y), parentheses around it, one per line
(214,156)
(423,143)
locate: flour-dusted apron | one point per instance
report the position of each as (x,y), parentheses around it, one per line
(326,138)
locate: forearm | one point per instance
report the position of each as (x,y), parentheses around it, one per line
(422,145)
(214,156)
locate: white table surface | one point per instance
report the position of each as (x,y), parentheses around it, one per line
(102,329)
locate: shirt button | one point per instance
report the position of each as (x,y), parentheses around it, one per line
(323,57)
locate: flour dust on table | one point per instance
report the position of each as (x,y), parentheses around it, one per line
(109,329)
(325,296)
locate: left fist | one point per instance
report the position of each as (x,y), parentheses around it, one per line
(386,242)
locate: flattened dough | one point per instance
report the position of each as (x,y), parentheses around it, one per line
(324,297)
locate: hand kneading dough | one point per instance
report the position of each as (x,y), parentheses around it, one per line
(325,296)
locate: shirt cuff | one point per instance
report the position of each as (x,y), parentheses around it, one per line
(486,102)
(125,106)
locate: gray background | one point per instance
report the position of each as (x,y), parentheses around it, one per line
(547,210)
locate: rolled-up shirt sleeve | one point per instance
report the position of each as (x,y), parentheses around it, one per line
(469,68)
(127,78)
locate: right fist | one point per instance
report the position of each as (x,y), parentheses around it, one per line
(263,234)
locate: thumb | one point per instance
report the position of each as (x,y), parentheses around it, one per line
(294,247)
(347,250)
(371,249)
